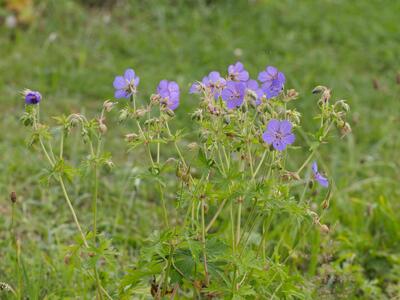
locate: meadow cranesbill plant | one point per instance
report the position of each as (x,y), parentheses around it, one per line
(91,247)
(221,234)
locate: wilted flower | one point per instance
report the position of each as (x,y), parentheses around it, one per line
(252,85)
(279,134)
(322,180)
(32,97)
(237,72)
(272,80)
(233,94)
(125,86)
(169,92)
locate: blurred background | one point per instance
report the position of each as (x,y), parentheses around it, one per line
(71,51)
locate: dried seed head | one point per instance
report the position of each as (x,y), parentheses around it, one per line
(13,197)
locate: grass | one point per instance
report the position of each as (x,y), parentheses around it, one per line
(71,53)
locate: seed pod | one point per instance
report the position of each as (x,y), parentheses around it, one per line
(13,197)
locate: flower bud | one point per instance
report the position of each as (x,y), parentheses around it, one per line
(326,95)
(324,228)
(108,105)
(130,137)
(169,112)
(140,112)
(102,128)
(325,204)
(155,98)
(197,115)
(227,119)
(318,89)
(292,94)
(124,113)
(13,197)
(192,146)
(345,129)
(343,105)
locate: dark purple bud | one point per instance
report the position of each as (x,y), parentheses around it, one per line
(32,97)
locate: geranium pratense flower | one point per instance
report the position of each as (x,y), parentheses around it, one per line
(237,72)
(322,180)
(279,134)
(272,80)
(32,97)
(214,82)
(169,93)
(252,85)
(125,86)
(198,86)
(233,94)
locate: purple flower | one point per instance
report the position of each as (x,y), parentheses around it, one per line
(272,80)
(279,134)
(252,85)
(237,72)
(233,94)
(125,86)
(197,87)
(32,97)
(169,92)
(322,180)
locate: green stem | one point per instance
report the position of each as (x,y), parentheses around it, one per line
(72,211)
(203,238)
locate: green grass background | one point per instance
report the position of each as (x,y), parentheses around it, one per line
(72,51)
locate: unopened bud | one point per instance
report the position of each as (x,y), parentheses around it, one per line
(324,228)
(197,115)
(102,128)
(227,119)
(169,112)
(287,176)
(291,94)
(318,89)
(130,137)
(193,146)
(345,129)
(140,112)
(124,113)
(325,204)
(155,98)
(13,197)
(343,105)
(326,95)
(108,105)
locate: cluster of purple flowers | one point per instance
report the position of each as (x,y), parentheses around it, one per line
(126,85)
(233,89)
